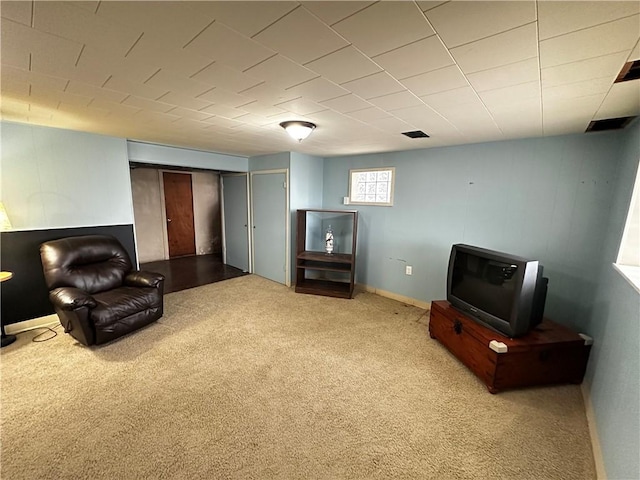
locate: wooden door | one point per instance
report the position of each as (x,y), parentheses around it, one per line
(178,200)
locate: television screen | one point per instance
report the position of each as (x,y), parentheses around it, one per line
(504,292)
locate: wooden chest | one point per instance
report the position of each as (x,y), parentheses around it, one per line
(549,354)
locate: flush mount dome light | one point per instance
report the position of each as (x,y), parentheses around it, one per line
(297,129)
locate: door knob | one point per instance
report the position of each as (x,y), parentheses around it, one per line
(168,220)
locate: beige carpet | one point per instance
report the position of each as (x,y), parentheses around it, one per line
(245,379)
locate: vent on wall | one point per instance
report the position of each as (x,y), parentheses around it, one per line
(609,124)
(416,134)
(630,71)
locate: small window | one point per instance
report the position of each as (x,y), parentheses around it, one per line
(371,186)
(628,261)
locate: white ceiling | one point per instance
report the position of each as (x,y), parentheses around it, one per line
(221,76)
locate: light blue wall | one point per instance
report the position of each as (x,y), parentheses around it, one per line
(184,157)
(306,175)
(544,198)
(613,376)
(55,178)
(275,161)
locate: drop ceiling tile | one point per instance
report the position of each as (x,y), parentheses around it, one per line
(93,91)
(396,101)
(188,113)
(592,86)
(301,106)
(169,81)
(178,22)
(113,107)
(222,76)
(505,76)
(222,44)
(598,67)
(131,88)
(374,85)
(254,120)
(301,24)
(384,26)
(281,72)
(426,119)
(148,105)
(318,89)
(65,20)
(344,65)
(180,100)
(458,23)
(152,49)
(507,95)
(391,125)
(268,93)
(247,18)
(94,61)
(225,97)
(440,80)
(622,101)
(419,57)
(347,103)
(559,18)
(262,109)
(87,5)
(524,117)
(367,114)
(15,51)
(605,39)
(570,108)
(332,12)
(18,75)
(49,54)
(19,12)
(502,49)
(449,98)
(425,5)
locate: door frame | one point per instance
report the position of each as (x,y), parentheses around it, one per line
(287,221)
(163,208)
(224,232)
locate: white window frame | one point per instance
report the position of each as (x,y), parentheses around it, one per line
(366,170)
(628,260)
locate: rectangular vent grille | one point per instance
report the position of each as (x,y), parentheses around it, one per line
(630,71)
(609,124)
(416,134)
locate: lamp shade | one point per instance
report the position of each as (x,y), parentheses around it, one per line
(5,223)
(298,130)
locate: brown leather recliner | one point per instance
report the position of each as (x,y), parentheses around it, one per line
(94,290)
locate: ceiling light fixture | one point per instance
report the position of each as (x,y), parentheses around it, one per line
(297,129)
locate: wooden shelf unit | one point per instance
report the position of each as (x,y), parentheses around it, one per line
(340,268)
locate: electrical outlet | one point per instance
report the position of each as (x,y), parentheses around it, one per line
(408,270)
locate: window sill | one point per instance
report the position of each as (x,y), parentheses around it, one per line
(630,273)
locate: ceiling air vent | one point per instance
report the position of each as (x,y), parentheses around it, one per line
(609,124)
(630,71)
(416,134)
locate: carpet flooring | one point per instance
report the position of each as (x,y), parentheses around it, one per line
(245,379)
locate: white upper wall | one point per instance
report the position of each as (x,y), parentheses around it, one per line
(54,178)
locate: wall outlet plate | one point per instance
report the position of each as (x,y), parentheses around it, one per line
(408,270)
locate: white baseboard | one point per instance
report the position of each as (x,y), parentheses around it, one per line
(593,433)
(19,327)
(394,296)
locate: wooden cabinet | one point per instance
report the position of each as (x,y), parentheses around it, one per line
(318,272)
(549,354)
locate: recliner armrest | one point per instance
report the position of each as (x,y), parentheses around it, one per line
(69,298)
(142,278)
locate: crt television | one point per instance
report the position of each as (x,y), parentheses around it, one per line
(501,291)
